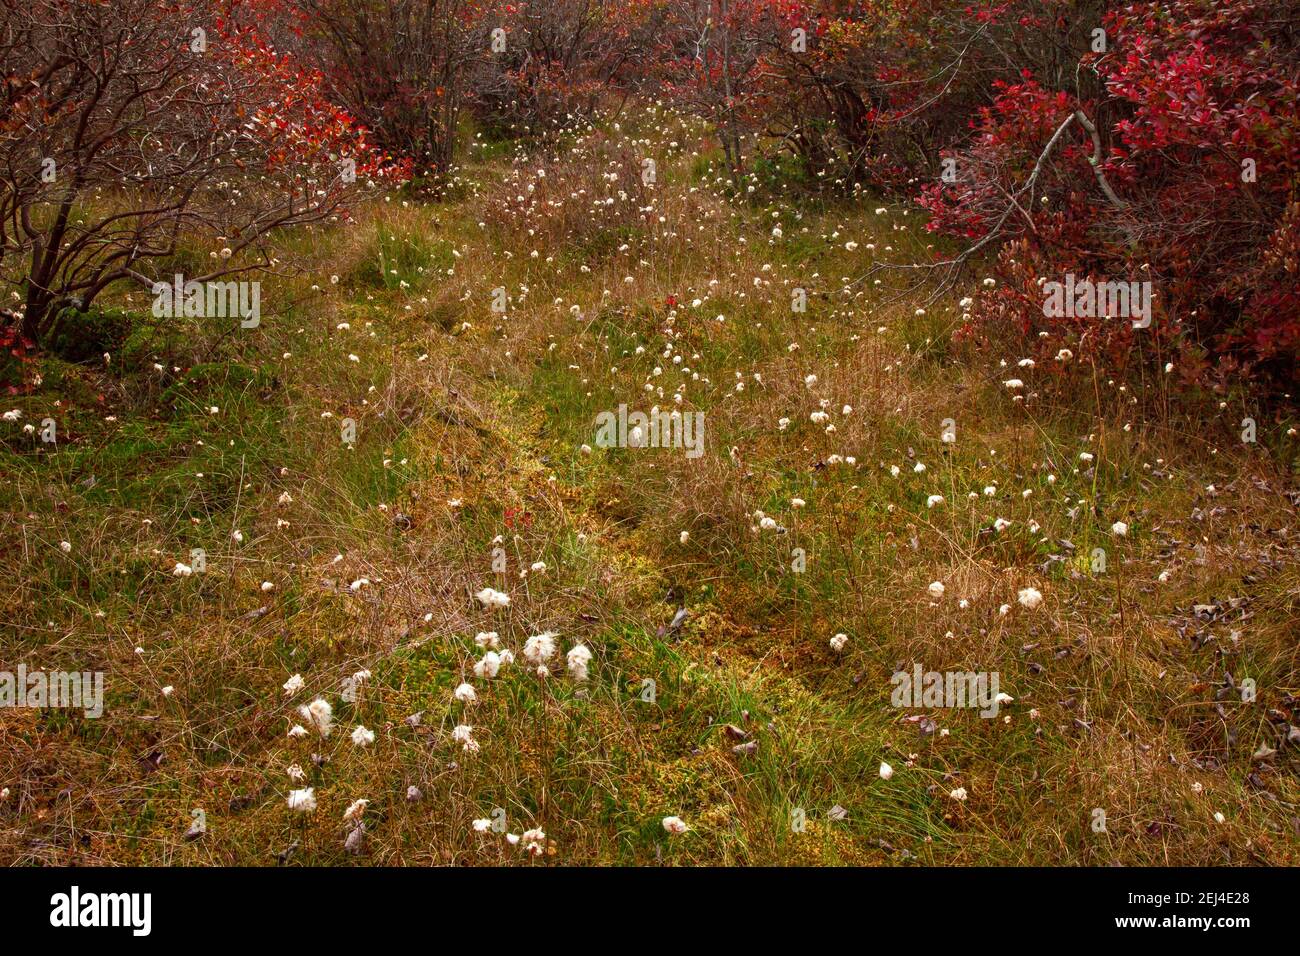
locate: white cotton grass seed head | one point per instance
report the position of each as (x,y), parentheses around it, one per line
(319,715)
(577,660)
(675,825)
(489,666)
(936,589)
(463,734)
(362,736)
(491,598)
(1030,598)
(302,801)
(540,648)
(465,694)
(886,771)
(534,842)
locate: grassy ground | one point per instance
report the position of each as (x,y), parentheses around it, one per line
(470,427)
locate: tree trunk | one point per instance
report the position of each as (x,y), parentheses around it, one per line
(34,315)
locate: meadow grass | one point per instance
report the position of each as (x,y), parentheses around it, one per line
(470,427)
